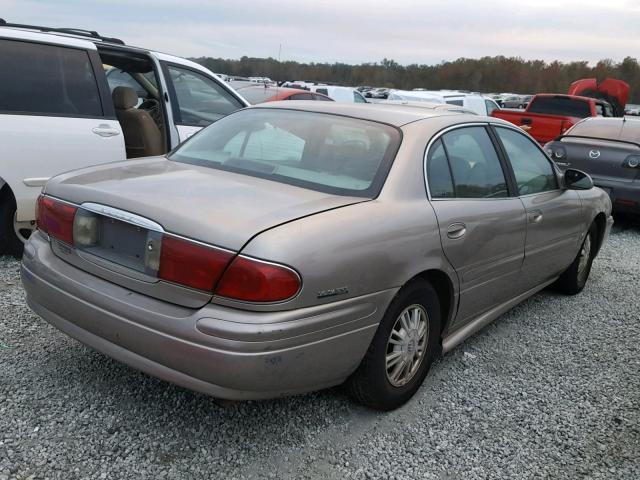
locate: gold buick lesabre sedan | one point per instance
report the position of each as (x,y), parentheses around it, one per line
(298,245)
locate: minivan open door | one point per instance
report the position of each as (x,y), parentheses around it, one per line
(616,92)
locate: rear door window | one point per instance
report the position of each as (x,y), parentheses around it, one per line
(475,165)
(559,105)
(198,100)
(47,80)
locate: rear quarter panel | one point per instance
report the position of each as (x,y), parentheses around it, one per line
(368,247)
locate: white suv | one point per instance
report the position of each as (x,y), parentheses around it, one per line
(72,98)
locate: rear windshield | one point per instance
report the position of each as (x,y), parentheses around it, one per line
(566,106)
(328,153)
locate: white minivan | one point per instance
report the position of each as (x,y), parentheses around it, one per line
(72,98)
(479,104)
(339,94)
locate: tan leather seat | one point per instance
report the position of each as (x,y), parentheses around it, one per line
(142,136)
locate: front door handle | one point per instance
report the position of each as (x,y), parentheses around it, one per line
(535,216)
(105,130)
(456,230)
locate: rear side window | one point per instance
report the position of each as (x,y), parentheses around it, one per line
(200,99)
(47,80)
(438,173)
(567,106)
(321,98)
(491,106)
(300,96)
(358,98)
(475,166)
(531,167)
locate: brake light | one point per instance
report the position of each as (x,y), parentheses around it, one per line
(192,264)
(56,218)
(252,280)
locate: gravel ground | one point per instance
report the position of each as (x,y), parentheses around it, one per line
(550,390)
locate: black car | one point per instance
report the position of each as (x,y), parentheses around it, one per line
(608,149)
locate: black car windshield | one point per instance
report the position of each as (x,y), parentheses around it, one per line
(328,153)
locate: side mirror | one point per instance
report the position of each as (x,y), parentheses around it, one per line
(577,180)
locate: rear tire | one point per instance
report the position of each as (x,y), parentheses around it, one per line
(375,383)
(10,244)
(574,278)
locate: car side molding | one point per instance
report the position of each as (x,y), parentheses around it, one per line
(458,336)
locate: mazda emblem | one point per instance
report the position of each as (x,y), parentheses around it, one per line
(594,154)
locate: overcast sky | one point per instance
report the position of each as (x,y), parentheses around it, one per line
(354,31)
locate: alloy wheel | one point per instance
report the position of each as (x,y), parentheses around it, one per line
(406,345)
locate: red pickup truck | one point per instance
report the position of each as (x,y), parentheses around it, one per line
(549,115)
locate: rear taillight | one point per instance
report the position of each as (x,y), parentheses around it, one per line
(56,218)
(566,125)
(252,280)
(192,264)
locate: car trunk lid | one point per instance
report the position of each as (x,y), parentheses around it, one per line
(602,159)
(137,202)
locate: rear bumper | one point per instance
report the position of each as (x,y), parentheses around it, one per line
(223,352)
(625,196)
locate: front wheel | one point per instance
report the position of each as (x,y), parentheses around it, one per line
(402,350)
(574,278)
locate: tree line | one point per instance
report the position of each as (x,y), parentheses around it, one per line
(486,74)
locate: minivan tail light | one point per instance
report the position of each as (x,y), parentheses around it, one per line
(252,280)
(192,264)
(56,218)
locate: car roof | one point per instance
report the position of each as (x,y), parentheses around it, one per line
(624,129)
(429,105)
(396,115)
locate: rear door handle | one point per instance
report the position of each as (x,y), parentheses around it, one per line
(456,230)
(535,216)
(105,130)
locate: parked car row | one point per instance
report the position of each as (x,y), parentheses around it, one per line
(549,115)
(288,246)
(479,104)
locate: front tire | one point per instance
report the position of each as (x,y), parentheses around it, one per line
(10,244)
(402,351)
(574,278)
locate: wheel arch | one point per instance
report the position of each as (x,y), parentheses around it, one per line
(443,285)
(600,222)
